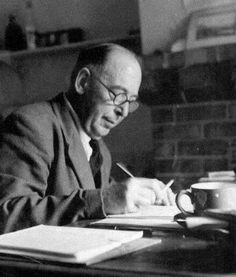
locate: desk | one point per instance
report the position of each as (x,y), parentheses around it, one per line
(177,255)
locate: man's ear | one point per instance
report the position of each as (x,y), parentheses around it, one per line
(82,79)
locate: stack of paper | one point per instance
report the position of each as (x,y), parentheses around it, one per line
(216,176)
(66,244)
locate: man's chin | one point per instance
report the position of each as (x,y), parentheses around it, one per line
(102,132)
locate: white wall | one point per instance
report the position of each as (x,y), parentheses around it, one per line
(160,20)
(193,5)
(163,21)
(99,18)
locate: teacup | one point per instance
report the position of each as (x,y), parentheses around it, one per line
(208,195)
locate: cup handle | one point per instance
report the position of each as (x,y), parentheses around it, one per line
(178,201)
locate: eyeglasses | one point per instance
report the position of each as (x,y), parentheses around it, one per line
(118,99)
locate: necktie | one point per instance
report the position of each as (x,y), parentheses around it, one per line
(95,162)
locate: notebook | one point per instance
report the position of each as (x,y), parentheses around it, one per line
(65,244)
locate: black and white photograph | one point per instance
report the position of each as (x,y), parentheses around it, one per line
(117,138)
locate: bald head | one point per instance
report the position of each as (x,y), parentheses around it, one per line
(121,60)
(102,57)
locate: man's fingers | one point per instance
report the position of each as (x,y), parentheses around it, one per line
(162,196)
(171,196)
(149,195)
(142,201)
(143,191)
(162,199)
(168,198)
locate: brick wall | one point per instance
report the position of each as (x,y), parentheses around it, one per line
(191,139)
(193,120)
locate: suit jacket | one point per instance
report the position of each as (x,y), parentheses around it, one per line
(45,177)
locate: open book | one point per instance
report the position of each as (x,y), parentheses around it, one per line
(66,244)
(150,217)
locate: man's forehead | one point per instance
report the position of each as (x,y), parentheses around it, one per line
(119,63)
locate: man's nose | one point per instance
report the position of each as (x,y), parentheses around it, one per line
(125,109)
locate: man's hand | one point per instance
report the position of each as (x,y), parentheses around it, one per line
(133,193)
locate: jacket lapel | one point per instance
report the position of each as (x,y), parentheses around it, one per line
(105,169)
(80,163)
(74,145)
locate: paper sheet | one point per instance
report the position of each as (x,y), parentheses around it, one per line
(161,217)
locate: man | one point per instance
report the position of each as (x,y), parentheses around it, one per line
(46,171)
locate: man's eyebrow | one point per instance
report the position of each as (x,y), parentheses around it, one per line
(123,89)
(119,87)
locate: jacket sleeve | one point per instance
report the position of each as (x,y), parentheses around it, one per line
(26,155)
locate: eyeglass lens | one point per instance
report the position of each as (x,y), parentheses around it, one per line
(120,99)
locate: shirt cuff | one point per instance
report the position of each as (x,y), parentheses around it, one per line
(94,204)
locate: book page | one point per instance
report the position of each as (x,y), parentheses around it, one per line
(154,216)
(138,223)
(64,243)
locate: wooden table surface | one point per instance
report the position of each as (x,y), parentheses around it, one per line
(178,254)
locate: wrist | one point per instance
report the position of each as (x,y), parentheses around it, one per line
(114,199)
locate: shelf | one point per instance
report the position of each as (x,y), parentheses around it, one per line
(68,47)
(203,55)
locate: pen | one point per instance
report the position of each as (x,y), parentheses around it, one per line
(122,166)
(168,185)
